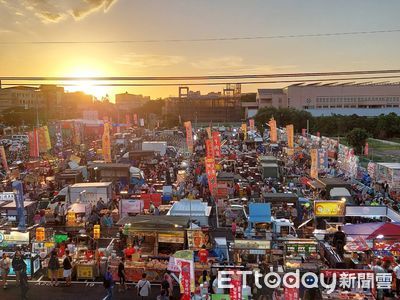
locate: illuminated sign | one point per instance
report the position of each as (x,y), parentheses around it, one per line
(329,208)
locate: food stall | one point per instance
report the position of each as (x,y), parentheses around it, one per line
(9,240)
(9,211)
(77,215)
(155,238)
(301,254)
(251,252)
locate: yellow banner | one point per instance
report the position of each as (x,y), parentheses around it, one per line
(47,137)
(290,135)
(329,208)
(106,151)
(314,163)
(244,130)
(272,128)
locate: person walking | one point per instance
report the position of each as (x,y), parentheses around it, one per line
(108,284)
(396,271)
(67,266)
(121,275)
(5,269)
(24,286)
(143,287)
(18,265)
(54,266)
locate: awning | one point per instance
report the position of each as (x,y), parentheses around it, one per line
(260,212)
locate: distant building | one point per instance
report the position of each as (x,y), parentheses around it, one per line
(213,107)
(324,99)
(21,96)
(129,102)
(322,96)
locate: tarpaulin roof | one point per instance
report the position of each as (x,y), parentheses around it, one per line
(260,212)
(372,230)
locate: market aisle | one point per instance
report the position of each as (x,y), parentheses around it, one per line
(77,291)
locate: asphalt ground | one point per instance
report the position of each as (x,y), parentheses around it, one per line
(39,290)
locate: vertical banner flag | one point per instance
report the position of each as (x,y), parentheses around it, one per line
(19,203)
(314,163)
(106,143)
(128,120)
(244,130)
(47,137)
(251,125)
(59,140)
(290,135)
(185,280)
(366,149)
(135,119)
(209,148)
(291,294)
(211,174)
(189,136)
(303,132)
(4,158)
(208,129)
(235,292)
(42,140)
(141,122)
(77,134)
(322,159)
(33,143)
(216,143)
(272,128)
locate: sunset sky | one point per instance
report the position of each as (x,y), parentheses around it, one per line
(113,20)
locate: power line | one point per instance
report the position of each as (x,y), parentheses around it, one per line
(216,39)
(205,83)
(210,77)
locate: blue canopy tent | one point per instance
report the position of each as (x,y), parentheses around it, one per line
(258,213)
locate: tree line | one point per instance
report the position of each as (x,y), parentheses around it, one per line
(381,127)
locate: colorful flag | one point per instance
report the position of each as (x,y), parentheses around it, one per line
(135,119)
(251,124)
(77,134)
(290,135)
(189,136)
(208,129)
(4,158)
(47,138)
(235,292)
(209,148)
(366,149)
(322,159)
(216,144)
(185,280)
(314,163)
(244,130)
(273,132)
(19,203)
(211,174)
(106,142)
(33,143)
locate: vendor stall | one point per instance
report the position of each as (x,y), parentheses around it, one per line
(301,254)
(77,215)
(195,209)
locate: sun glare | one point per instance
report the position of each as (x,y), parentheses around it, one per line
(85,85)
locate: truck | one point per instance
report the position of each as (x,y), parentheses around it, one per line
(89,192)
(158,147)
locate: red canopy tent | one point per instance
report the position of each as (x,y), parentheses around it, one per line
(387,230)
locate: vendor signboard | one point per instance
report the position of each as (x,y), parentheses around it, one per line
(14,238)
(329,208)
(301,247)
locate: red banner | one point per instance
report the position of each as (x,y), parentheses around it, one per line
(217,144)
(33,143)
(185,280)
(106,143)
(235,292)
(209,148)
(211,175)
(189,136)
(147,198)
(292,294)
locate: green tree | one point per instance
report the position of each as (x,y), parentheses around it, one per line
(357,138)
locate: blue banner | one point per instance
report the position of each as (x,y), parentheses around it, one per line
(19,203)
(322,159)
